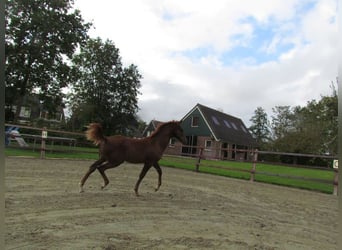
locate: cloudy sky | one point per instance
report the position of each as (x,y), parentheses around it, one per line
(229,55)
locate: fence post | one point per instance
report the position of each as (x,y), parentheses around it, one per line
(255,159)
(335,192)
(199,160)
(43,145)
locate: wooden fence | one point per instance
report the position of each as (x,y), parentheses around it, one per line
(41,140)
(43,137)
(253,170)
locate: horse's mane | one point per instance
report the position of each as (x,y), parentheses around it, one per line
(162,126)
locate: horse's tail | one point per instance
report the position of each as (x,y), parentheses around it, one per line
(94,133)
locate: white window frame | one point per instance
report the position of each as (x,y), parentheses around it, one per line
(25,112)
(192,121)
(172,142)
(206,144)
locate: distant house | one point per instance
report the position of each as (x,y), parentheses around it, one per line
(33,112)
(219,134)
(151,127)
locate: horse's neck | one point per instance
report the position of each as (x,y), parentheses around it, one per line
(162,139)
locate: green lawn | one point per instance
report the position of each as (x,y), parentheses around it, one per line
(218,168)
(206,166)
(56,152)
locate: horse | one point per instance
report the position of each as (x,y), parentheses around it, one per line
(114,150)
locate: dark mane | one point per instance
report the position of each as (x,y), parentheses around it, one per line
(162,126)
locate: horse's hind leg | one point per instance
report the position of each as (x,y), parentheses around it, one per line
(157,167)
(141,176)
(91,169)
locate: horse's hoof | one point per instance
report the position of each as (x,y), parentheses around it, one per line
(157,188)
(104,185)
(81,189)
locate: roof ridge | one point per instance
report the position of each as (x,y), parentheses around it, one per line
(222,126)
(218,111)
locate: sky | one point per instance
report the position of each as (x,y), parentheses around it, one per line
(233,56)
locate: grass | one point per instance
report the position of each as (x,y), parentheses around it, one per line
(56,151)
(220,168)
(206,166)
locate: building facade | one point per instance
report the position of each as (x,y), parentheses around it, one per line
(33,113)
(220,135)
(151,127)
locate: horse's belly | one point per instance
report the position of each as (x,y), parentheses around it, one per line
(133,157)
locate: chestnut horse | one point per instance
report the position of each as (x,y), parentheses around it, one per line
(114,150)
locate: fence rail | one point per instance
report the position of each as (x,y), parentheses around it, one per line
(252,155)
(44,142)
(41,129)
(253,171)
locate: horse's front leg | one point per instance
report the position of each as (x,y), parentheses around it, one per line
(157,167)
(141,176)
(102,170)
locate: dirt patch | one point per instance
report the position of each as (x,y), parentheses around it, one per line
(44,210)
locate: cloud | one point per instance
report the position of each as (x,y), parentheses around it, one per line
(232,55)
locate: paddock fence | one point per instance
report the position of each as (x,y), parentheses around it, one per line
(49,141)
(45,140)
(252,157)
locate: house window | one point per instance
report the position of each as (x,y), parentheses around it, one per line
(59,116)
(25,112)
(195,121)
(243,128)
(234,126)
(172,142)
(44,114)
(227,124)
(208,144)
(215,120)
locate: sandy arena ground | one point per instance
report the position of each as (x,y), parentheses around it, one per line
(44,210)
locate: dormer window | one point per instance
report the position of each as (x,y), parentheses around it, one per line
(195,121)
(234,126)
(227,124)
(215,120)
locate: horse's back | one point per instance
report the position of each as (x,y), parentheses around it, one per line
(121,148)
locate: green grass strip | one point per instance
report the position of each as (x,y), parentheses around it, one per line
(206,166)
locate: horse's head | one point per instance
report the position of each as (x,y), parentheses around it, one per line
(178,133)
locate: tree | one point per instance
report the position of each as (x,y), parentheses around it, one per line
(317,124)
(103,90)
(309,129)
(329,107)
(260,127)
(282,121)
(40,35)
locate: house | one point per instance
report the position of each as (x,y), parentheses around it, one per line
(219,134)
(151,127)
(33,112)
